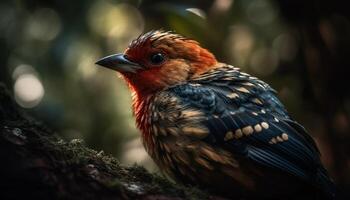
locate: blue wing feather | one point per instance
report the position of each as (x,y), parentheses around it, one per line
(297,156)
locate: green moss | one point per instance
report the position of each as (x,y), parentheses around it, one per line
(106,170)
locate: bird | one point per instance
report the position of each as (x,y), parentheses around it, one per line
(208,124)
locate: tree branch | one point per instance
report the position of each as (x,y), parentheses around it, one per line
(37,163)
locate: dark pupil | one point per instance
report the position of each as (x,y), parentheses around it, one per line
(157,58)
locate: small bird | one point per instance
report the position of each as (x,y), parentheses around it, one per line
(208,124)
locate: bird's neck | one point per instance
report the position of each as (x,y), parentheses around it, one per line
(142,106)
(205,61)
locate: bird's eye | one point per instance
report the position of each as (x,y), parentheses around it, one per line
(157,58)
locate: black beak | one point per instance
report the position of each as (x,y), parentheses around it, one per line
(119,62)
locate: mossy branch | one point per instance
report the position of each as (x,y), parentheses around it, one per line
(37,164)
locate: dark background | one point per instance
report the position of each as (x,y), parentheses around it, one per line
(301,48)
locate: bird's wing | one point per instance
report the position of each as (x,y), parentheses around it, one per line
(241,122)
(250,130)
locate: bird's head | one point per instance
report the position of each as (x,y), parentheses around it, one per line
(157,60)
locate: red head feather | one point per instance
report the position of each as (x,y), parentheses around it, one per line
(183,59)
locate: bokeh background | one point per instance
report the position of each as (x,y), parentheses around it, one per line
(48,49)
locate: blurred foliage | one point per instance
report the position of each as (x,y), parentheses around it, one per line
(48,50)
